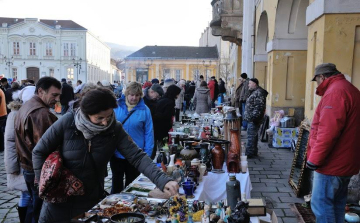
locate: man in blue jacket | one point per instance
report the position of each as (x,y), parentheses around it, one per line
(136,119)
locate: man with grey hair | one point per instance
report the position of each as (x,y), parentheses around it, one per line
(333,143)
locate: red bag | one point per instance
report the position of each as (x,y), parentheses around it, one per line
(56,182)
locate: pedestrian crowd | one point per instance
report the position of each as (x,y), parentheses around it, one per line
(124,123)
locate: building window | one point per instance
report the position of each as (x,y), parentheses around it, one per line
(14,74)
(32,49)
(49,49)
(66,49)
(177,75)
(70,73)
(166,73)
(72,49)
(16,47)
(51,72)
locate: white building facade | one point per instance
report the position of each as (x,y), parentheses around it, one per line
(31,48)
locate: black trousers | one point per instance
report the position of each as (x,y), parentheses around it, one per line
(119,168)
(177,114)
(2,131)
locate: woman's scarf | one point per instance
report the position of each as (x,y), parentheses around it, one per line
(88,128)
(129,106)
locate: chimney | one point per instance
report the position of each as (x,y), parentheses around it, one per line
(4,25)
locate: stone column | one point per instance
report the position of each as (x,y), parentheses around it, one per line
(333,37)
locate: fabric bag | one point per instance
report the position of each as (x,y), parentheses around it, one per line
(57,183)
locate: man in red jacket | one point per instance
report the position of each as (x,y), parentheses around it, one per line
(333,150)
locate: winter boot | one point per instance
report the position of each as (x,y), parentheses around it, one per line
(22,213)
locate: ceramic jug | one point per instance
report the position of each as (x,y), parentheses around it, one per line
(218,156)
(188,153)
(233,192)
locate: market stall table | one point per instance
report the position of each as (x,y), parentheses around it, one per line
(213,186)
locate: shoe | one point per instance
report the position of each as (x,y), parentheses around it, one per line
(251,156)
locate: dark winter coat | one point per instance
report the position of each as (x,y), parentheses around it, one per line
(67,94)
(77,158)
(189,93)
(202,100)
(164,111)
(222,88)
(255,105)
(149,102)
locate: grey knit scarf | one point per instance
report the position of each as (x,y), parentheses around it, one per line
(88,128)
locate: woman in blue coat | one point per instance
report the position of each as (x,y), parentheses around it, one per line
(136,119)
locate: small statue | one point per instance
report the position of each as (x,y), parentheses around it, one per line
(174,219)
(227,214)
(220,210)
(240,214)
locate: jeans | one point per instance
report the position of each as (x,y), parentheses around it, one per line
(29,177)
(252,139)
(244,123)
(119,167)
(329,196)
(25,199)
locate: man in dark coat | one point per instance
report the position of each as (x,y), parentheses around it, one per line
(222,88)
(164,112)
(67,95)
(152,95)
(254,114)
(31,122)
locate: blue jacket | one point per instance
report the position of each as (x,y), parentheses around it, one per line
(139,125)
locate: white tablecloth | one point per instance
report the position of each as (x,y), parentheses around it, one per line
(213,186)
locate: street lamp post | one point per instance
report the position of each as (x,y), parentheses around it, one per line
(9,62)
(148,64)
(77,64)
(206,68)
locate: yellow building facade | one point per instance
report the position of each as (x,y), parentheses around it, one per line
(292,37)
(163,62)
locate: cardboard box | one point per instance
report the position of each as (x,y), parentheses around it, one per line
(270,217)
(282,142)
(285,132)
(257,207)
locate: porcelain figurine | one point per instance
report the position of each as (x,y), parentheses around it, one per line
(174,219)
(227,214)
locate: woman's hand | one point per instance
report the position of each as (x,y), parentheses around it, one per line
(171,188)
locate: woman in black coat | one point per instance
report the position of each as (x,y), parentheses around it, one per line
(164,112)
(88,138)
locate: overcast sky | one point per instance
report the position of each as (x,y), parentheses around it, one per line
(125,22)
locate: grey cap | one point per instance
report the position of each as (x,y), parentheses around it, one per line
(324,68)
(157,88)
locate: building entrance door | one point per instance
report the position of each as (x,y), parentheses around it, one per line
(142,75)
(33,73)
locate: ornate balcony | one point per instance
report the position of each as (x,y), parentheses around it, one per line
(227,20)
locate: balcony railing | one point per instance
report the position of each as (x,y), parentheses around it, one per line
(227,20)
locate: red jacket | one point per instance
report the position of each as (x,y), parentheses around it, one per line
(334,144)
(211,86)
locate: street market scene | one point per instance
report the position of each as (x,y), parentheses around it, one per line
(235,111)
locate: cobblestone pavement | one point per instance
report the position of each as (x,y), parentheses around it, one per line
(269,174)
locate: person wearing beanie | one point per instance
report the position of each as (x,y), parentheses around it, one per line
(180,100)
(254,114)
(152,95)
(198,82)
(136,120)
(155,81)
(67,95)
(164,112)
(241,94)
(214,90)
(167,83)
